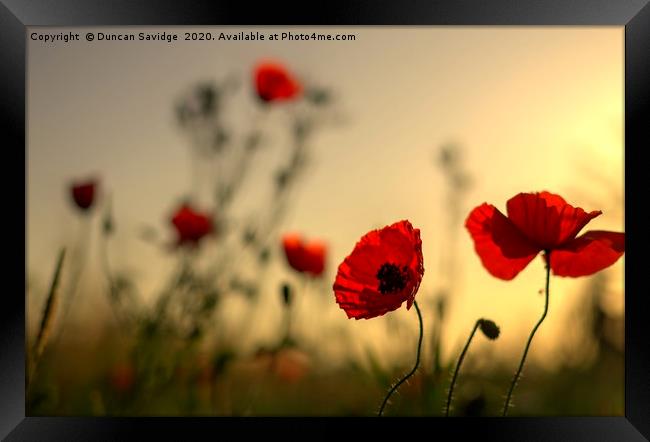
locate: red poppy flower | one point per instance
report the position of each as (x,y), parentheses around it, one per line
(274,83)
(305,257)
(537,222)
(122,377)
(384,270)
(191,225)
(83,194)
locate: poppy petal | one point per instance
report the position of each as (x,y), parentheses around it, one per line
(191,225)
(292,245)
(546,218)
(304,257)
(504,250)
(367,303)
(83,194)
(315,257)
(383,271)
(274,83)
(588,253)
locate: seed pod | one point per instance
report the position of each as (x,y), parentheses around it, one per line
(489,329)
(286,294)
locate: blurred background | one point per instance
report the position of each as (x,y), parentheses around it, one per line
(401,123)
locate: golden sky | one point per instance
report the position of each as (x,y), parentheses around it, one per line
(534,108)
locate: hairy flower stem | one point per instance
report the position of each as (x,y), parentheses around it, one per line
(530,338)
(460,361)
(417,363)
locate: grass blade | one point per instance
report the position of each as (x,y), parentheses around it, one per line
(49,311)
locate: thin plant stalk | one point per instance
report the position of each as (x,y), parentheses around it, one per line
(457,370)
(79,258)
(532,333)
(112,286)
(49,312)
(288,324)
(415,367)
(117,307)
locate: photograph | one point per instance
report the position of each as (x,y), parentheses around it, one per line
(255,221)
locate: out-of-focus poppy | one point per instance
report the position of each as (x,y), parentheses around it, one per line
(191,225)
(83,193)
(384,270)
(288,363)
(122,377)
(536,222)
(291,365)
(205,371)
(304,256)
(274,83)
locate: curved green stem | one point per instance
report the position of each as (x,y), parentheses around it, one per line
(417,363)
(460,361)
(530,338)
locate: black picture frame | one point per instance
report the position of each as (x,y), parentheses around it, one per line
(634,15)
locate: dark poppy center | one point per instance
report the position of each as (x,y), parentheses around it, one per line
(391,278)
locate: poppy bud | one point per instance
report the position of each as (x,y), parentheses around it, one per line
(489,329)
(83,194)
(286,294)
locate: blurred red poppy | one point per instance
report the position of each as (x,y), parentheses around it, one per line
(204,374)
(536,222)
(191,225)
(384,270)
(83,194)
(305,257)
(122,377)
(291,365)
(274,83)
